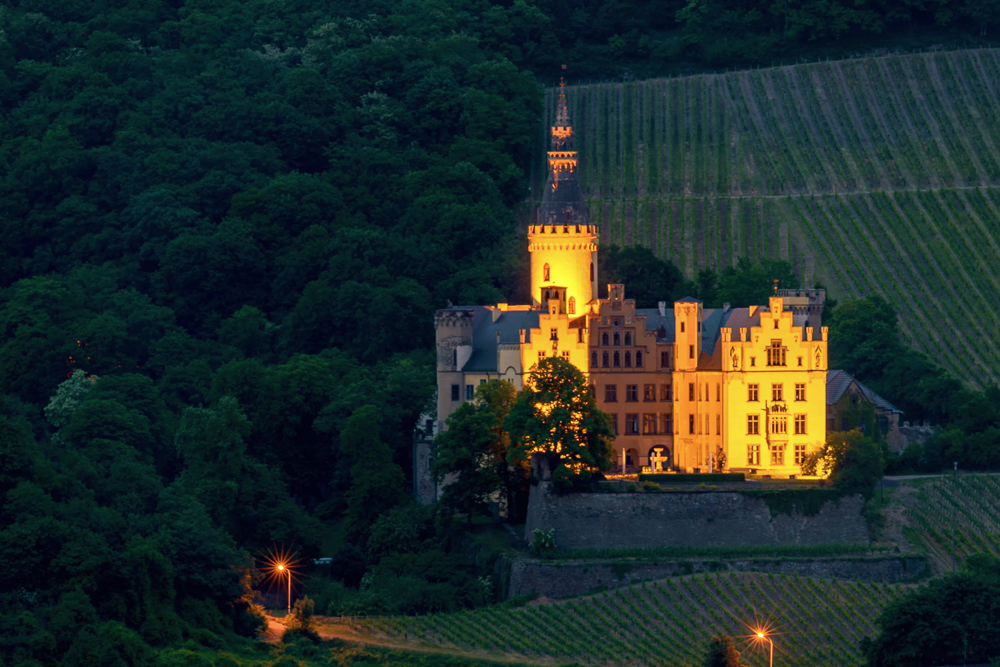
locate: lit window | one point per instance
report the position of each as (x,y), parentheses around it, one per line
(649,424)
(665,392)
(753,424)
(800,391)
(649,392)
(777,393)
(800,424)
(752,392)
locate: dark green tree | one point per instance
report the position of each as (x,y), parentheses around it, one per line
(377,484)
(852,460)
(556,415)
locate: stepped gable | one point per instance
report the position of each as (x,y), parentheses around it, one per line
(563,203)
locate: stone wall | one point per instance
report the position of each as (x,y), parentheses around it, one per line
(555,579)
(686,519)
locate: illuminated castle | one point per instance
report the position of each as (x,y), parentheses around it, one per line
(683,384)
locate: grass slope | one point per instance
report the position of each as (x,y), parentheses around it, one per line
(876,175)
(818,621)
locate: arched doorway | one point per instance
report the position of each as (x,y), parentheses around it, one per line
(659,458)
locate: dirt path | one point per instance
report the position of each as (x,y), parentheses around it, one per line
(336,628)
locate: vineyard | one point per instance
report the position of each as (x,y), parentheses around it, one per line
(953,518)
(669,622)
(876,176)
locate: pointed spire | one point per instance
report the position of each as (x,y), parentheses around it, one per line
(562,113)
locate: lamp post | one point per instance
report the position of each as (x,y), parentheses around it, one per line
(761,635)
(281,568)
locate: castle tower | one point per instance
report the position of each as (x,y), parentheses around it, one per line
(563,243)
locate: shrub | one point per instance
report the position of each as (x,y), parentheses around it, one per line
(544,543)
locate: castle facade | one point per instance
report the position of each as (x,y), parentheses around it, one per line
(688,388)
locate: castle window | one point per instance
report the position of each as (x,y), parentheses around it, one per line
(470,392)
(753,424)
(610,393)
(638,359)
(628,338)
(628,360)
(690,391)
(454,392)
(691,424)
(572,311)
(682,327)
(718,424)
(545,297)
(667,424)
(776,354)
(779,425)
(800,391)
(604,360)
(593,359)
(632,424)
(753,361)
(604,339)
(546,275)
(649,392)
(753,455)
(665,392)
(752,392)
(631,393)
(800,424)
(690,351)
(800,361)
(777,455)
(618,340)
(800,454)
(579,335)
(541,354)
(565,355)
(591,272)
(618,360)
(776,323)
(649,424)
(718,392)
(777,392)
(664,360)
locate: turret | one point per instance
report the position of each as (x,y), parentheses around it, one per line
(687,333)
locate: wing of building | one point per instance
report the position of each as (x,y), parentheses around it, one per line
(687,387)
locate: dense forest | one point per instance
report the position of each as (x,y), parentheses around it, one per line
(226,227)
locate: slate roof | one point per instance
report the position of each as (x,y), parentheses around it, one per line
(484,335)
(838,381)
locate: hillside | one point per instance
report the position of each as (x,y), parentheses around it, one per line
(669,622)
(877,175)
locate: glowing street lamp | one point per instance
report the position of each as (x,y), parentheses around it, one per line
(761,636)
(281,570)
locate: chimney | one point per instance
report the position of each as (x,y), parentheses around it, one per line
(662,307)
